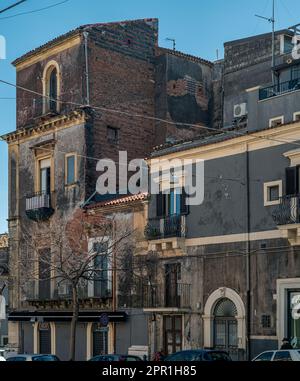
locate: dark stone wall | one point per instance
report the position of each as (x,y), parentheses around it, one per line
(261,345)
(132,332)
(247,63)
(183,94)
(28,338)
(63,341)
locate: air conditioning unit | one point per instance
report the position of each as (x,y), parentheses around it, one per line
(240,110)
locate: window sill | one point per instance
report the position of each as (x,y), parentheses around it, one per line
(72,185)
(272,203)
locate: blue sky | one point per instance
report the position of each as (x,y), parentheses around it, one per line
(199,26)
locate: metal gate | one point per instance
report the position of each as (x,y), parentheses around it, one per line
(45,338)
(100,340)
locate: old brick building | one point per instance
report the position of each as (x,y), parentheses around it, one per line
(80,98)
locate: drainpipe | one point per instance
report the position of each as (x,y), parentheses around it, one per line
(248,260)
(87,99)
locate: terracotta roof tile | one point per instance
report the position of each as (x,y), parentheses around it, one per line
(119,201)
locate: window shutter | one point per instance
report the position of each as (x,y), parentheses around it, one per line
(184,208)
(160,205)
(291,187)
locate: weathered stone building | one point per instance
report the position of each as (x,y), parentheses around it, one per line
(4,273)
(82,97)
(229,272)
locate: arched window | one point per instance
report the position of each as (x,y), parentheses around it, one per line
(53,90)
(225,308)
(51,87)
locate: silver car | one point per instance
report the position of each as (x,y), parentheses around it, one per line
(32,357)
(280,355)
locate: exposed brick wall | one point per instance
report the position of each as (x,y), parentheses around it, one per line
(71,64)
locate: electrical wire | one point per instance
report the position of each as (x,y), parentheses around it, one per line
(12,6)
(152,118)
(34,10)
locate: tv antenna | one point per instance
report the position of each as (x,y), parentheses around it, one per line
(272,21)
(173,41)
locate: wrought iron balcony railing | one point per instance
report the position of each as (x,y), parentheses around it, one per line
(279,89)
(173,295)
(167,227)
(287,212)
(38,206)
(64,292)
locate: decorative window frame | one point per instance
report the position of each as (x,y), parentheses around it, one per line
(89,340)
(268,185)
(281,117)
(36,338)
(45,81)
(283,286)
(208,316)
(75,169)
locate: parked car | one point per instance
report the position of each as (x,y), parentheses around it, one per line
(199,355)
(2,358)
(32,357)
(280,355)
(115,358)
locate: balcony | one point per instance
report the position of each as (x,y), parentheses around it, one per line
(168,296)
(38,206)
(167,227)
(287,218)
(287,211)
(279,89)
(62,297)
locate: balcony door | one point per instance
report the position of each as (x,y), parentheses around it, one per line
(172,278)
(44,274)
(45,176)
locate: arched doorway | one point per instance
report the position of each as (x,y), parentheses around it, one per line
(44,338)
(225,327)
(211,309)
(99,340)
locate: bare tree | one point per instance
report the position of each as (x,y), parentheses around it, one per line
(71,251)
(138,277)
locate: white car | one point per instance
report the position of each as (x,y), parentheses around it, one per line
(2,358)
(280,355)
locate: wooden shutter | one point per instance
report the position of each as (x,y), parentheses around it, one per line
(160,205)
(184,208)
(291,181)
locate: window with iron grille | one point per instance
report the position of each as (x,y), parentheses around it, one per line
(266,321)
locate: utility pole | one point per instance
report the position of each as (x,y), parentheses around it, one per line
(12,6)
(272,21)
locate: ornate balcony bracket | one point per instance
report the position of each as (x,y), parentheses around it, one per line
(291,232)
(165,244)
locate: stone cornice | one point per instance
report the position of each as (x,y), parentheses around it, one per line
(47,125)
